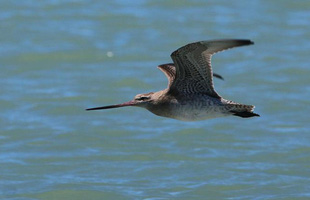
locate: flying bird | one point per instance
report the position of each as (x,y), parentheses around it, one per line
(190,95)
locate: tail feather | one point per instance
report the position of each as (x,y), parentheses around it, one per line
(245,114)
(244,111)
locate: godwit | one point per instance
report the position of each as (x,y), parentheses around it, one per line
(190,94)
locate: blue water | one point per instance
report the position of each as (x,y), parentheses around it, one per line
(59,57)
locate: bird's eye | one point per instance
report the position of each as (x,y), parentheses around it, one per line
(142,98)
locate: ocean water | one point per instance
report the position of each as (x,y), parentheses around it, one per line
(59,57)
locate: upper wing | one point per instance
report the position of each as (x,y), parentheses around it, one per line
(169,70)
(193,66)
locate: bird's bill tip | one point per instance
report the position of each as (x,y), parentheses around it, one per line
(129,103)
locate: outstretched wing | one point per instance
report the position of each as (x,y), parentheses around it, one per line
(193,66)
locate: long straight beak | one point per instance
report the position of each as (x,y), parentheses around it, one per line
(129,103)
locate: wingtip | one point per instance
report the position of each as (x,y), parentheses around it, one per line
(218,76)
(251,42)
(245,41)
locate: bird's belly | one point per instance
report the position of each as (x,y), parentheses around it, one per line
(191,112)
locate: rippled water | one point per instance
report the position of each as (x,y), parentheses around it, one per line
(59,57)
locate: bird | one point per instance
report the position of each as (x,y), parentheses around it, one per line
(190,94)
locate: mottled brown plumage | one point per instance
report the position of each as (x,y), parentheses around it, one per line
(190,94)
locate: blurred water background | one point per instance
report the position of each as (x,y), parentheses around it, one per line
(59,57)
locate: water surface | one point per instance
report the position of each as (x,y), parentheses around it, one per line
(59,57)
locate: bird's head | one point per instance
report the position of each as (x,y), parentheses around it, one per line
(143,99)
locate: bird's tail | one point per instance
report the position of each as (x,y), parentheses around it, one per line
(242,110)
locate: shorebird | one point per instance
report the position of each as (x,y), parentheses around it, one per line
(190,95)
